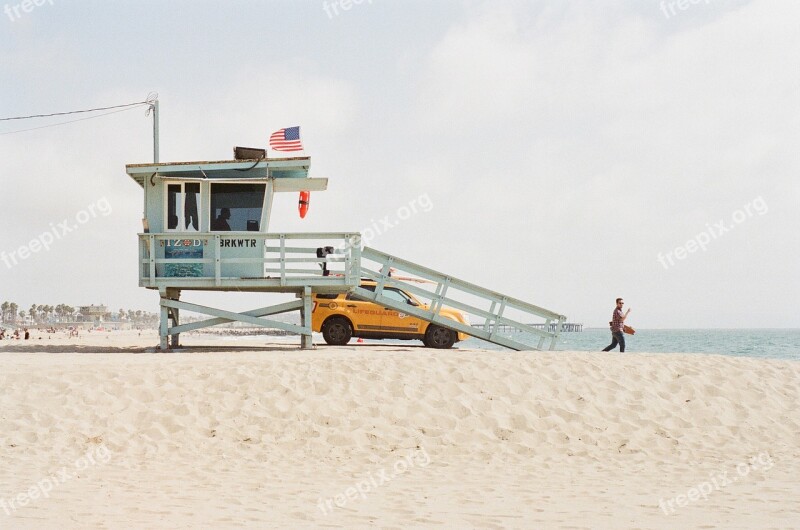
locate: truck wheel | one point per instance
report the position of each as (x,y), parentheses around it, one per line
(337,331)
(439,337)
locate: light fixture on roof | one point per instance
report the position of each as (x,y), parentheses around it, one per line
(249,153)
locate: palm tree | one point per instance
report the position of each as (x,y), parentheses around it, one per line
(4,307)
(13,308)
(32,313)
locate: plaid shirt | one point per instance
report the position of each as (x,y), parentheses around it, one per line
(616,320)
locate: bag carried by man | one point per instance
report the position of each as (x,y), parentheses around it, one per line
(625,329)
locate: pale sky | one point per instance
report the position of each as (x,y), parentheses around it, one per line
(571,151)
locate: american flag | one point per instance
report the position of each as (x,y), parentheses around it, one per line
(286,139)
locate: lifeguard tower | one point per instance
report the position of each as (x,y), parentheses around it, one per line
(206,228)
(94,314)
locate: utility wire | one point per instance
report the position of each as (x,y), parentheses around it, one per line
(151,98)
(77,111)
(66,122)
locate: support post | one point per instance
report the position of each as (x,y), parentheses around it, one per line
(164,325)
(306,339)
(167,294)
(175,342)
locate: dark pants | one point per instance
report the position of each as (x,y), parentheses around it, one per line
(617,337)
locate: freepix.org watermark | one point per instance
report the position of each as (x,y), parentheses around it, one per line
(716,481)
(377,228)
(416,458)
(701,241)
(57,231)
(15,11)
(332,7)
(96,455)
(384,224)
(668,7)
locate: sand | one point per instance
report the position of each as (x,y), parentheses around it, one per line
(374,436)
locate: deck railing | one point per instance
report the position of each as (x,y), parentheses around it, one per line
(501,315)
(218,260)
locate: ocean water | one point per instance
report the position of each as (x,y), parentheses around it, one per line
(768,343)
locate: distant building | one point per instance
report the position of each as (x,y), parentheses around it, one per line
(92,313)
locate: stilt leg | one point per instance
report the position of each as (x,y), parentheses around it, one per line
(306,341)
(175,343)
(164,326)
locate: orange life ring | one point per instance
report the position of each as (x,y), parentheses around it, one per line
(302,205)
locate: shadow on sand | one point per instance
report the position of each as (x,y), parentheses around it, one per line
(275,347)
(90,348)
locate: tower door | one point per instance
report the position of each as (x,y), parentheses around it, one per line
(182,207)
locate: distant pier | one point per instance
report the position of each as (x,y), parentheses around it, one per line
(566,327)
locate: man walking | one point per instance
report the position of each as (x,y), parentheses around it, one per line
(617,323)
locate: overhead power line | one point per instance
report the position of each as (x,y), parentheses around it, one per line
(151,98)
(65,122)
(76,111)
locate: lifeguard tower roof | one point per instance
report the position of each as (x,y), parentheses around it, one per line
(277,168)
